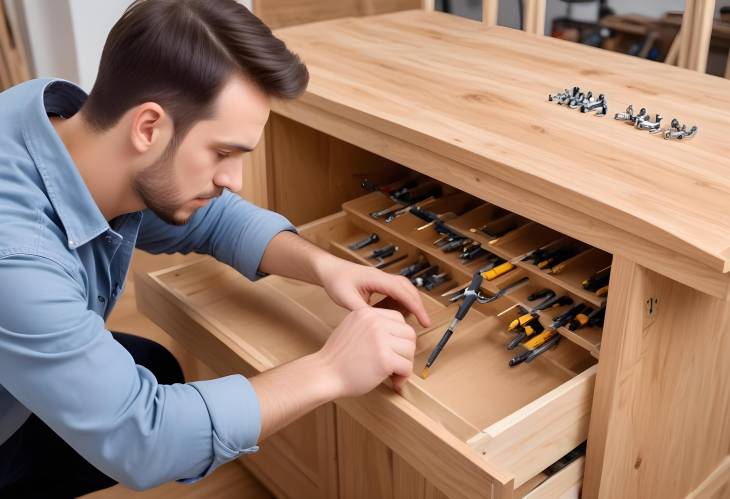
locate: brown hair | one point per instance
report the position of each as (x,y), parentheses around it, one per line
(180,53)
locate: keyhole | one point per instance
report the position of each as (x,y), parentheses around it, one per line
(651,305)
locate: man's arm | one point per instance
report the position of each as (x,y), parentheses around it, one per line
(59,361)
(229,228)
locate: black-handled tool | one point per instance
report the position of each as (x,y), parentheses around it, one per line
(372,238)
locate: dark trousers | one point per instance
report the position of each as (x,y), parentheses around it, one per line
(37,463)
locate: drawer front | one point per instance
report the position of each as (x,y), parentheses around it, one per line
(566,484)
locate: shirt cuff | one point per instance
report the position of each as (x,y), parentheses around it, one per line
(235,419)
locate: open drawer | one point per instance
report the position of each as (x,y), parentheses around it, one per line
(474,428)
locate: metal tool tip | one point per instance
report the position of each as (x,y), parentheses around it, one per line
(424,373)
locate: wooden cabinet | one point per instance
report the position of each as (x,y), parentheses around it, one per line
(445,100)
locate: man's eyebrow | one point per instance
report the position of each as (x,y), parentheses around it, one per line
(236,147)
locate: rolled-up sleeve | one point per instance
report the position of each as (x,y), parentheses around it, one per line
(229,228)
(59,361)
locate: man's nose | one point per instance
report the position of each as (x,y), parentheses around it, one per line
(230,176)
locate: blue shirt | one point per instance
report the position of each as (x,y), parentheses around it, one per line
(62,268)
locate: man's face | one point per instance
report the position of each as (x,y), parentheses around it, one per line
(209,158)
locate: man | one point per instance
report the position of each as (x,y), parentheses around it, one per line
(149,159)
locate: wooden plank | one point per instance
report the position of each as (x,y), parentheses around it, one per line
(280,13)
(714,482)
(534,16)
(545,210)
(493,116)
(257,181)
(659,424)
(527,441)
(449,463)
(490,11)
(230,481)
(565,484)
(701,32)
(695,37)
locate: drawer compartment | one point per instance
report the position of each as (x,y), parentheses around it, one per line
(503,424)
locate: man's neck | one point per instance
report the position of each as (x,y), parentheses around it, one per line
(99,158)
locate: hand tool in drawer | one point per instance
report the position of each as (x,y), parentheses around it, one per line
(395,187)
(385,263)
(500,227)
(539,344)
(393,214)
(412,269)
(471,295)
(580,319)
(550,300)
(420,277)
(588,317)
(408,199)
(556,256)
(473,253)
(372,238)
(597,280)
(447,232)
(558,321)
(455,245)
(436,280)
(384,252)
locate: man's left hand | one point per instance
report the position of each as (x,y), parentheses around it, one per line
(351,285)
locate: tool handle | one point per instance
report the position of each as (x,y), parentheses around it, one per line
(425,215)
(521,336)
(439,346)
(543,348)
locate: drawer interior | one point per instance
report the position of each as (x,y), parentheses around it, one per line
(471,390)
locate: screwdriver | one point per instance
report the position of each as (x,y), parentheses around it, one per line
(558,321)
(470,296)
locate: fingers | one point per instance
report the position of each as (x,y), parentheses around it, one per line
(401,289)
(403,347)
(403,368)
(392,315)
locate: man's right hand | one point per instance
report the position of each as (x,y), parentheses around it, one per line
(369,345)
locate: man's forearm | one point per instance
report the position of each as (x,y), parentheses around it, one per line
(290,255)
(292,390)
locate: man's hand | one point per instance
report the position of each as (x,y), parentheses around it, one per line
(348,284)
(369,345)
(351,285)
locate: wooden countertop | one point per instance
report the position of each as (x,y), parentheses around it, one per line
(479,96)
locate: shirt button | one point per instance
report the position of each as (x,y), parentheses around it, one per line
(101,299)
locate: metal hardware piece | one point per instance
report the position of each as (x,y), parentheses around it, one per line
(679,132)
(644,123)
(628,115)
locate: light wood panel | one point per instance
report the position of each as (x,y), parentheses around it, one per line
(368,468)
(230,481)
(313,174)
(534,16)
(13,61)
(694,36)
(490,11)
(280,13)
(663,389)
(387,74)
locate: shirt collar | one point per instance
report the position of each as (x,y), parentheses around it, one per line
(80,216)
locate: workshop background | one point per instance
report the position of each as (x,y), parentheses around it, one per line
(64,38)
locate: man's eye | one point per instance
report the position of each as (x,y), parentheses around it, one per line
(223,154)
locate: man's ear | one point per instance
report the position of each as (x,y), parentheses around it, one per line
(151,127)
